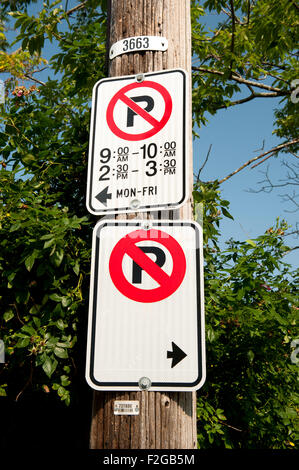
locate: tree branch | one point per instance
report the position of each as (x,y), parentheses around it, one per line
(248,98)
(17,312)
(248,11)
(269,64)
(33,79)
(272,152)
(232,46)
(292,179)
(243,80)
(292,199)
(204,163)
(72,10)
(29,381)
(231,15)
(264,159)
(289,251)
(230,426)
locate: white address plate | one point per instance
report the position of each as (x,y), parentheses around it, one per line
(138,44)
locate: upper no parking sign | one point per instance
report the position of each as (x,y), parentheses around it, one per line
(137,149)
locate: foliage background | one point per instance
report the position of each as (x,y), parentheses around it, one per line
(250,397)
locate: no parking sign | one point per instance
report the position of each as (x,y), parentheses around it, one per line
(133,109)
(168,284)
(137,149)
(146,317)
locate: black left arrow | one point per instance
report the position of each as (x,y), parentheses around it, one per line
(177,355)
(103,196)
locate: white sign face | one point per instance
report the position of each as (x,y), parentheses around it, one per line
(146,312)
(137,149)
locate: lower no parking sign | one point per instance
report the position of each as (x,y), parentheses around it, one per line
(146,317)
(168,284)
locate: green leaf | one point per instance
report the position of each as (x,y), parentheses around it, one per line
(29,262)
(66,301)
(252,243)
(60,324)
(250,355)
(8,315)
(65,380)
(76,268)
(34,310)
(57,257)
(48,236)
(56,297)
(220,415)
(29,158)
(3,391)
(15,227)
(226,213)
(37,322)
(61,391)
(28,329)
(49,243)
(49,366)
(51,340)
(60,352)
(23,342)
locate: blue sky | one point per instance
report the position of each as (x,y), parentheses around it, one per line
(236,135)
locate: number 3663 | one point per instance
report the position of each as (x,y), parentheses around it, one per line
(136,43)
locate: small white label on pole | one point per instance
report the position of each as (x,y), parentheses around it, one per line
(130,407)
(138,44)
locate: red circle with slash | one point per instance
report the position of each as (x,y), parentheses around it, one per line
(168,284)
(155,123)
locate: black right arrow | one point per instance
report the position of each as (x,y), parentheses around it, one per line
(103,196)
(176,354)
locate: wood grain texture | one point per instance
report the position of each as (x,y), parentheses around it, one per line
(166,420)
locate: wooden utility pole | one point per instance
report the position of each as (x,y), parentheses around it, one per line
(166,420)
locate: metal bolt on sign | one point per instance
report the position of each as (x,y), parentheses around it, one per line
(135,204)
(139,77)
(144,383)
(146,226)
